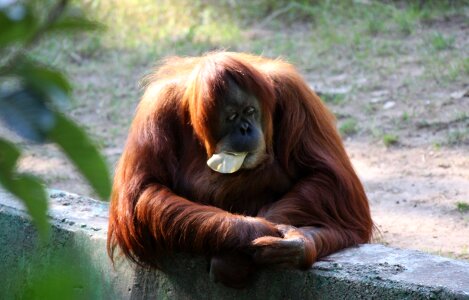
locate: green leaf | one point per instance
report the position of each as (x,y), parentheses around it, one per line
(16,24)
(26,187)
(79,148)
(30,190)
(41,74)
(9,154)
(75,24)
(49,81)
(25,112)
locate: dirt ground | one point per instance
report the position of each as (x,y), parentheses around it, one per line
(413,194)
(414,185)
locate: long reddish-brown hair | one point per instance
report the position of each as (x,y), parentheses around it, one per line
(151,215)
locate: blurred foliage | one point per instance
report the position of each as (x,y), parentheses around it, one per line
(150,29)
(64,270)
(462,207)
(69,275)
(348,127)
(390,139)
(32,97)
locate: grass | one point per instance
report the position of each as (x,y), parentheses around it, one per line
(405,117)
(457,136)
(440,42)
(348,127)
(369,108)
(406,20)
(335,26)
(375,26)
(333,98)
(437,146)
(390,139)
(462,207)
(465,65)
(335,37)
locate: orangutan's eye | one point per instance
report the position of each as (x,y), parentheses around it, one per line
(250,110)
(233,117)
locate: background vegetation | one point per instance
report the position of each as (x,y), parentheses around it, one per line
(410,44)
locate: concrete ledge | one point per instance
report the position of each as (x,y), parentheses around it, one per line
(79,227)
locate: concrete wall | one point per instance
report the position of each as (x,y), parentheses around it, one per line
(78,238)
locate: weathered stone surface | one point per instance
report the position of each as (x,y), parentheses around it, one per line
(369,271)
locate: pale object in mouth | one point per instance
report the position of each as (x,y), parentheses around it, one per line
(226,162)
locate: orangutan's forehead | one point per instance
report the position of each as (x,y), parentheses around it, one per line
(235,94)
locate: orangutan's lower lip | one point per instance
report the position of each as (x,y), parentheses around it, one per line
(236,153)
(226,162)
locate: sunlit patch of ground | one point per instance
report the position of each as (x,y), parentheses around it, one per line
(414,195)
